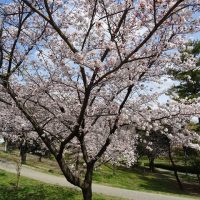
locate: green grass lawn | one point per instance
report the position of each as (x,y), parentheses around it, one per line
(47,165)
(134,179)
(35,190)
(164,160)
(143,180)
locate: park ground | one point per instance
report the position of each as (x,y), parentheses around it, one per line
(138,179)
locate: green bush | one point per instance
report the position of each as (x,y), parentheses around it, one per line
(179,168)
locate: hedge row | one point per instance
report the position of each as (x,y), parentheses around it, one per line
(179,168)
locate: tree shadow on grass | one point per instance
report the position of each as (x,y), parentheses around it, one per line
(166,183)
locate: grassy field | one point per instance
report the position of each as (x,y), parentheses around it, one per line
(134,179)
(179,161)
(143,180)
(47,165)
(35,190)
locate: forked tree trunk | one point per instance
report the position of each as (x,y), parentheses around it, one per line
(86,185)
(175,170)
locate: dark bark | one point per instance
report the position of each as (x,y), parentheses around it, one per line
(185,159)
(198,177)
(23,153)
(40,158)
(151,164)
(87,193)
(175,170)
(77,162)
(87,185)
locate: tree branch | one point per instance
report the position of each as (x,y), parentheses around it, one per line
(53,24)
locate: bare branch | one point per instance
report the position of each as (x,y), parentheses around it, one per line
(91,25)
(54,25)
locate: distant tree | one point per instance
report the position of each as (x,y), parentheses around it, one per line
(152,144)
(189,87)
(26,141)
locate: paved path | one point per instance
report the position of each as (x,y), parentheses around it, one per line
(59,180)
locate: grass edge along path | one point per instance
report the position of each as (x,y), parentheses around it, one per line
(106,190)
(159,183)
(35,190)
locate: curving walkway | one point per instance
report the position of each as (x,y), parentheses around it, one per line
(97,188)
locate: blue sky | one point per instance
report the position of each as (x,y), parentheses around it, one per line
(195,36)
(5,1)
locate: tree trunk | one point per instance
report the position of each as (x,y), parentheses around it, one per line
(23,154)
(198,177)
(18,175)
(87,192)
(6,146)
(151,164)
(23,157)
(40,158)
(185,159)
(113,169)
(87,186)
(77,162)
(175,170)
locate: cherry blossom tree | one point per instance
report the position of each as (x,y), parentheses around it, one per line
(76,71)
(188,88)
(160,133)
(152,144)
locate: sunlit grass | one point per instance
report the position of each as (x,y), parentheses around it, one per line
(34,190)
(135,179)
(143,180)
